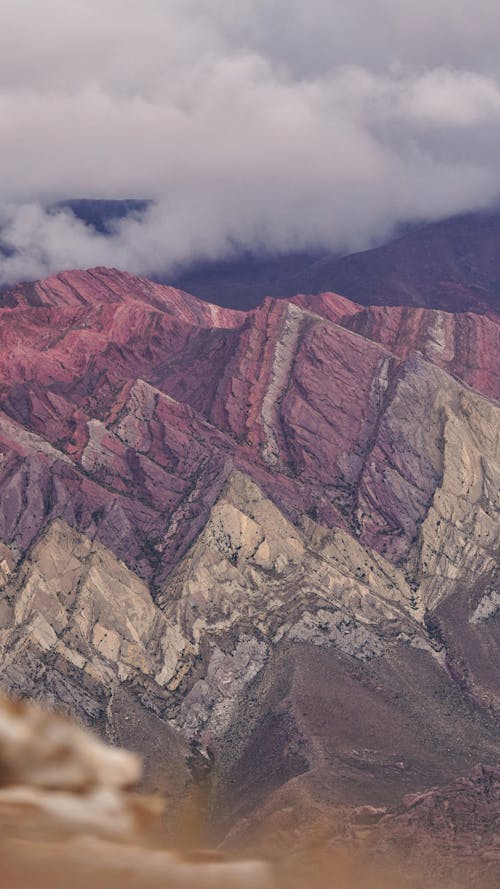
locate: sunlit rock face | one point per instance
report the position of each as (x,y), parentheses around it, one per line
(260,548)
(464,344)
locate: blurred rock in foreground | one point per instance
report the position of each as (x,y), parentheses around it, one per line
(70,816)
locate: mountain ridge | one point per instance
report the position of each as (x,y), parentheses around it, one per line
(244,528)
(451,264)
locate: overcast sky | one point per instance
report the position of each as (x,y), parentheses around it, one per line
(274,123)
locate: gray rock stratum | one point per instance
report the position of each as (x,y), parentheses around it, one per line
(261,549)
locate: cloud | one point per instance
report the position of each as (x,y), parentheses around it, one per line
(280,125)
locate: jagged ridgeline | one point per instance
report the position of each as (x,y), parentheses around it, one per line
(259,547)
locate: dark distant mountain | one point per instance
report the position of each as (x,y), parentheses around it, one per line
(453,265)
(246,278)
(101,214)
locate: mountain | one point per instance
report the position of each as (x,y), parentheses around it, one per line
(102,214)
(453,264)
(261,547)
(70,813)
(448,827)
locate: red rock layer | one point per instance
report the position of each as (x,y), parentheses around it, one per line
(315,412)
(466,345)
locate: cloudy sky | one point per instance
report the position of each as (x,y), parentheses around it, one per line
(271,123)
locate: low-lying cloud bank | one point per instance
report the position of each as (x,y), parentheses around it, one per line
(268,125)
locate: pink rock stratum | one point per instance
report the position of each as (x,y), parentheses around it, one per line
(267,540)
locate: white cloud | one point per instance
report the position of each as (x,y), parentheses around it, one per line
(282,125)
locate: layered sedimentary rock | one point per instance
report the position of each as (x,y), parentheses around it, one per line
(261,547)
(464,344)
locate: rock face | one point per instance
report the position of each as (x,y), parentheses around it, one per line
(465,345)
(450,828)
(259,547)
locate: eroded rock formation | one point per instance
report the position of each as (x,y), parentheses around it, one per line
(261,547)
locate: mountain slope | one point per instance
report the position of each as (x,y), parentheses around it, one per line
(264,541)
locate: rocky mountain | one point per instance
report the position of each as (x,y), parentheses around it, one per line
(442,830)
(102,214)
(260,547)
